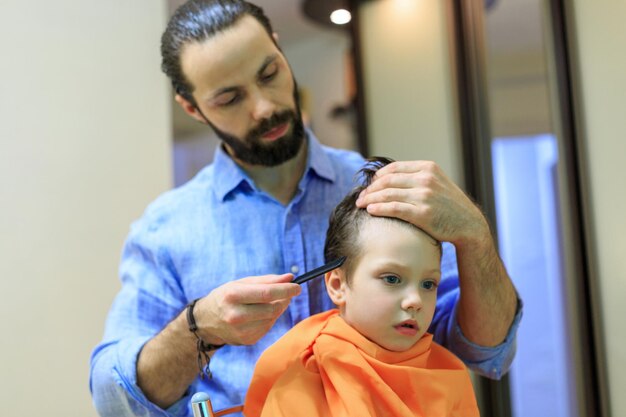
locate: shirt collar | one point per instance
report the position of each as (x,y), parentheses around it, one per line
(229,175)
(318,160)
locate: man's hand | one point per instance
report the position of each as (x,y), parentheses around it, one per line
(241,312)
(419,192)
(238,313)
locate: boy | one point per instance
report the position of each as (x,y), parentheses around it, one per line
(372,355)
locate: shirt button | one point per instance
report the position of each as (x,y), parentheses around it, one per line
(294,269)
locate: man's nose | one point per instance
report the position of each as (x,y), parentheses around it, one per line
(263,106)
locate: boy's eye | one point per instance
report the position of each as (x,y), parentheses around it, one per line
(429,285)
(391,279)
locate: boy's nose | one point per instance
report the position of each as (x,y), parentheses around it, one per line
(412,300)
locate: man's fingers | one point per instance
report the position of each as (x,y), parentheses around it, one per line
(266,288)
(398,180)
(267,279)
(252,321)
(405,195)
(406,167)
(407,175)
(245,314)
(242,311)
(261,289)
(404,211)
(245,293)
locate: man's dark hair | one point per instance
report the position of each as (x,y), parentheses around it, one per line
(196,21)
(346,221)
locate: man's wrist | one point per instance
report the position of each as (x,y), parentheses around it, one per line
(479,239)
(208,342)
(209,347)
(203,347)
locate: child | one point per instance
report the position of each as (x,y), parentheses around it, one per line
(371,356)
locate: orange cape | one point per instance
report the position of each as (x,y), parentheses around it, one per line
(324,367)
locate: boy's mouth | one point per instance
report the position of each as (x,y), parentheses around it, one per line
(407,327)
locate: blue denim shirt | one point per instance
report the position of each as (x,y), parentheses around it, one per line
(219,227)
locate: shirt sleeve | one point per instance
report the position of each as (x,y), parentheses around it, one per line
(492,362)
(150,297)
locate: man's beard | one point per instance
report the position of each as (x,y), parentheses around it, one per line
(252,150)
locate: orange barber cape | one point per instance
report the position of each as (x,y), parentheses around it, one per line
(324,367)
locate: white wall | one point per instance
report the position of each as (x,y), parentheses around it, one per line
(515,41)
(84,146)
(601,39)
(408,82)
(519,103)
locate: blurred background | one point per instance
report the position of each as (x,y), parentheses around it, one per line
(520,102)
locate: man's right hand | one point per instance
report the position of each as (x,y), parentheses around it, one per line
(237,313)
(241,312)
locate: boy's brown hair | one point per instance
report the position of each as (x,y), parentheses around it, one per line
(346,221)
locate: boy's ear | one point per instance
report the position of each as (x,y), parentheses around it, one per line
(336,286)
(189,108)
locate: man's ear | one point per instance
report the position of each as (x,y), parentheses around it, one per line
(189,108)
(336,286)
(275,36)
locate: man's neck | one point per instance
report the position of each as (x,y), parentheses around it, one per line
(280,181)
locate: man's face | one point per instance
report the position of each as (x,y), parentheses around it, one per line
(244,87)
(393,290)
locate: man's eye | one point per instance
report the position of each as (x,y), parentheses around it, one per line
(267,77)
(229,102)
(429,285)
(391,279)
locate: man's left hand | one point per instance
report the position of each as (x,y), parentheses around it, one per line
(419,192)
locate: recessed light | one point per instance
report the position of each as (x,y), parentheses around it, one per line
(340,17)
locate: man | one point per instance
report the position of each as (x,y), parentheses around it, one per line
(262,208)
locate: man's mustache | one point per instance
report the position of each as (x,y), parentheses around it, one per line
(266,125)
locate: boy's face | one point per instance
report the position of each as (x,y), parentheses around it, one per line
(392,295)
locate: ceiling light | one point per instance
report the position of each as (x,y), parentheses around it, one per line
(340,17)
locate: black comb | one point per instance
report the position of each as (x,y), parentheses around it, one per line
(319,271)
